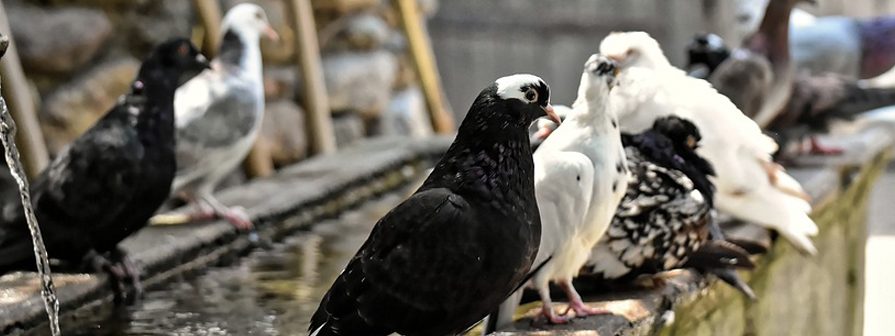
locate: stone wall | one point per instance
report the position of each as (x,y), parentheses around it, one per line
(80,55)
(798,295)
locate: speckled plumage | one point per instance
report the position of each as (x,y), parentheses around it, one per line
(665,220)
(661,220)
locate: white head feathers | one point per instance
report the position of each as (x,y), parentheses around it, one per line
(514,86)
(247,18)
(629,49)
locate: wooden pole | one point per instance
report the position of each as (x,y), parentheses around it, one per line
(307,51)
(259,162)
(425,66)
(210,16)
(21,106)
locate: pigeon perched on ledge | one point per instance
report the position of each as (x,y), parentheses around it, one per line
(665,220)
(704,54)
(105,185)
(585,151)
(219,114)
(465,240)
(750,186)
(578,182)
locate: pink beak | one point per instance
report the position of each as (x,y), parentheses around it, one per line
(271,34)
(552,114)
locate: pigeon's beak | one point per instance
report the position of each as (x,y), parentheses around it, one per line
(201,59)
(271,33)
(551,114)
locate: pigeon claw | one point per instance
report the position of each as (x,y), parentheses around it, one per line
(122,272)
(583,310)
(238,217)
(552,318)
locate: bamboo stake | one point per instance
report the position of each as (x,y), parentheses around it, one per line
(210,16)
(425,66)
(21,106)
(307,51)
(259,162)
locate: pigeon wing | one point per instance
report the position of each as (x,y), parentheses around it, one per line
(86,185)
(408,274)
(215,125)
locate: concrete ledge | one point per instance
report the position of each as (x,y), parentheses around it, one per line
(294,199)
(797,295)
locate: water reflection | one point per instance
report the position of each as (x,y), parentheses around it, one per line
(270,292)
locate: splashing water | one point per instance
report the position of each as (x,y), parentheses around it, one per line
(47,291)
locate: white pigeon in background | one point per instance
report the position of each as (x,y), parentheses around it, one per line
(579,181)
(750,185)
(218,115)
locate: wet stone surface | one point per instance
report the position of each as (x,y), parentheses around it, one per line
(272,291)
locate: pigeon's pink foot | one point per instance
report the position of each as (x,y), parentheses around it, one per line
(552,318)
(582,310)
(202,212)
(238,217)
(817,149)
(576,304)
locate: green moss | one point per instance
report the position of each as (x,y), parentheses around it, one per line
(798,295)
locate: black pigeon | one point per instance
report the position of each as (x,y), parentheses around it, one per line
(665,220)
(704,54)
(463,242)
(108,182)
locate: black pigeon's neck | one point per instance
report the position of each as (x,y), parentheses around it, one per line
(232,48)
(154,89)
(490,161)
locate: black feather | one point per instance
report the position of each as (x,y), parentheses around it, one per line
(441,260)
(108,182)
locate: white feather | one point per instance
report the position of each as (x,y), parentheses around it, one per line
(508,86)
(195,99)
(575,170)
(732,142)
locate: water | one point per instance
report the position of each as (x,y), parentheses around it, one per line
(273,291)
(47,291)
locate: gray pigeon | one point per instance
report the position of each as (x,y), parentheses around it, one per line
(218,115)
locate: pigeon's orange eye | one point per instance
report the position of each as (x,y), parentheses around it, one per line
(531,95)
(259,16)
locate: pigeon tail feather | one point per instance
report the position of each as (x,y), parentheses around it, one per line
(776,210)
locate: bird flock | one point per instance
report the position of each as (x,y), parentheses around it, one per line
(626,183)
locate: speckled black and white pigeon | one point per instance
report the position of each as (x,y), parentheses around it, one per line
(441,260)
(219,114)
(109,181)
(665,218)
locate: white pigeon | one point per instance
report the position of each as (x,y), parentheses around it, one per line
(579,182)
(218,115)
(750,185)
